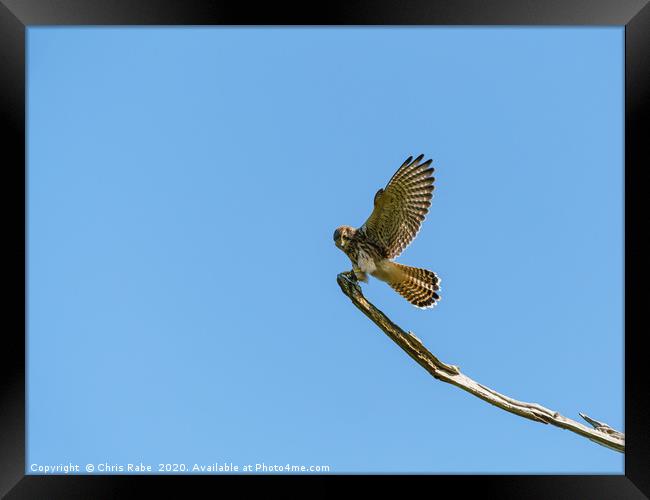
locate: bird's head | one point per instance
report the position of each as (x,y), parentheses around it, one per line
(342,236)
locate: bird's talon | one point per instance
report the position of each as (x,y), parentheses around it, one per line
(349,275)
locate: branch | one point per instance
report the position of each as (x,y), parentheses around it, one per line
(600,432)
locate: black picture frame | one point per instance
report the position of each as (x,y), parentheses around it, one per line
(17,15)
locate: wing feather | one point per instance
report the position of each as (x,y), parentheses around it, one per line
(401,207)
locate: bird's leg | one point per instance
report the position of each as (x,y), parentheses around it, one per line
(359,274)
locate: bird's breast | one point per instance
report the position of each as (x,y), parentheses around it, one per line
(365,261)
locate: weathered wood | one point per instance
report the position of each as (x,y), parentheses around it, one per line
(600,432)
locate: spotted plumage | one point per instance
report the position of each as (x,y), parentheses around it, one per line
(399,210)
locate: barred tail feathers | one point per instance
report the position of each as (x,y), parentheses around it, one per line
(419,286)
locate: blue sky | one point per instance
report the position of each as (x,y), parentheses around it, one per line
(183,188)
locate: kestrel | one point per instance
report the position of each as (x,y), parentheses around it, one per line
(399,211)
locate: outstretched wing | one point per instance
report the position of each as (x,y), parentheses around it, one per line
(401,207)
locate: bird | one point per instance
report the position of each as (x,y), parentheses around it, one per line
(397,216)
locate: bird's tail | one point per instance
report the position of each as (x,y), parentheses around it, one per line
(419,286)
